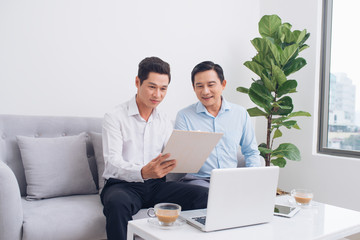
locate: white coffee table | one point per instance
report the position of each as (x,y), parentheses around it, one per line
(320,221)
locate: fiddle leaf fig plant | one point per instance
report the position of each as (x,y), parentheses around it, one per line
(277,58)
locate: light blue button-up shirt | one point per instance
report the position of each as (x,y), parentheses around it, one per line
(232,120)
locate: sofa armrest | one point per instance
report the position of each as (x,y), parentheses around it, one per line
(11,212)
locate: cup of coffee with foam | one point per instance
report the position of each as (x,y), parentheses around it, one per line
(302,197)
(166,213)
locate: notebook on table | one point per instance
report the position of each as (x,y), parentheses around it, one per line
(237,197)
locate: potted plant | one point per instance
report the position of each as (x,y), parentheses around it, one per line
(276,59)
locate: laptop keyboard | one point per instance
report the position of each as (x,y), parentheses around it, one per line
(201,219)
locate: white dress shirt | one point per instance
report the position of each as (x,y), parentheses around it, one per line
(129,142)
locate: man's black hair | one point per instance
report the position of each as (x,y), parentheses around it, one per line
(152,64)
(205,66)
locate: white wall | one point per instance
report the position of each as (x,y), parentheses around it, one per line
(334,180)
(80,58)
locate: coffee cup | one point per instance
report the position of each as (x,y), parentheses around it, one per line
(302,197)
(166,213)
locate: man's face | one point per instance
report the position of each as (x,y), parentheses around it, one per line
(208,89)
(152,91)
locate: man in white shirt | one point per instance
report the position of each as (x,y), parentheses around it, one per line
(134,134)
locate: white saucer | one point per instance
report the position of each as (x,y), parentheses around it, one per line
(154,222)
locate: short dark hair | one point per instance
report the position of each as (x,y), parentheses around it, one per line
(152,64)
(205,66)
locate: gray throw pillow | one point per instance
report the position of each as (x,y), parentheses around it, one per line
(96,139)
(56,166)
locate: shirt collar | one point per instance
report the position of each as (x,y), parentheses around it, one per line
(134,110)
(225,106)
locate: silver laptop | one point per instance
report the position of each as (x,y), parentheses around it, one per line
(237,197)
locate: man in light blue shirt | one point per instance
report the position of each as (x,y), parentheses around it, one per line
(214,114)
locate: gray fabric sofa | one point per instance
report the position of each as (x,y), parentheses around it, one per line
(70,217)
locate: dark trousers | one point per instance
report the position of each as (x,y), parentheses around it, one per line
(123,199)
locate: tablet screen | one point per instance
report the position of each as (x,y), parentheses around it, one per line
(285,211)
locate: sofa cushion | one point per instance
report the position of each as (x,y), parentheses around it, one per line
(96,140)
(56,166)
(76,217)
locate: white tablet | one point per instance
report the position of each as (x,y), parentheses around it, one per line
(190,149)
(285,211)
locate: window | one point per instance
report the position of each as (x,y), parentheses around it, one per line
(340,90)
